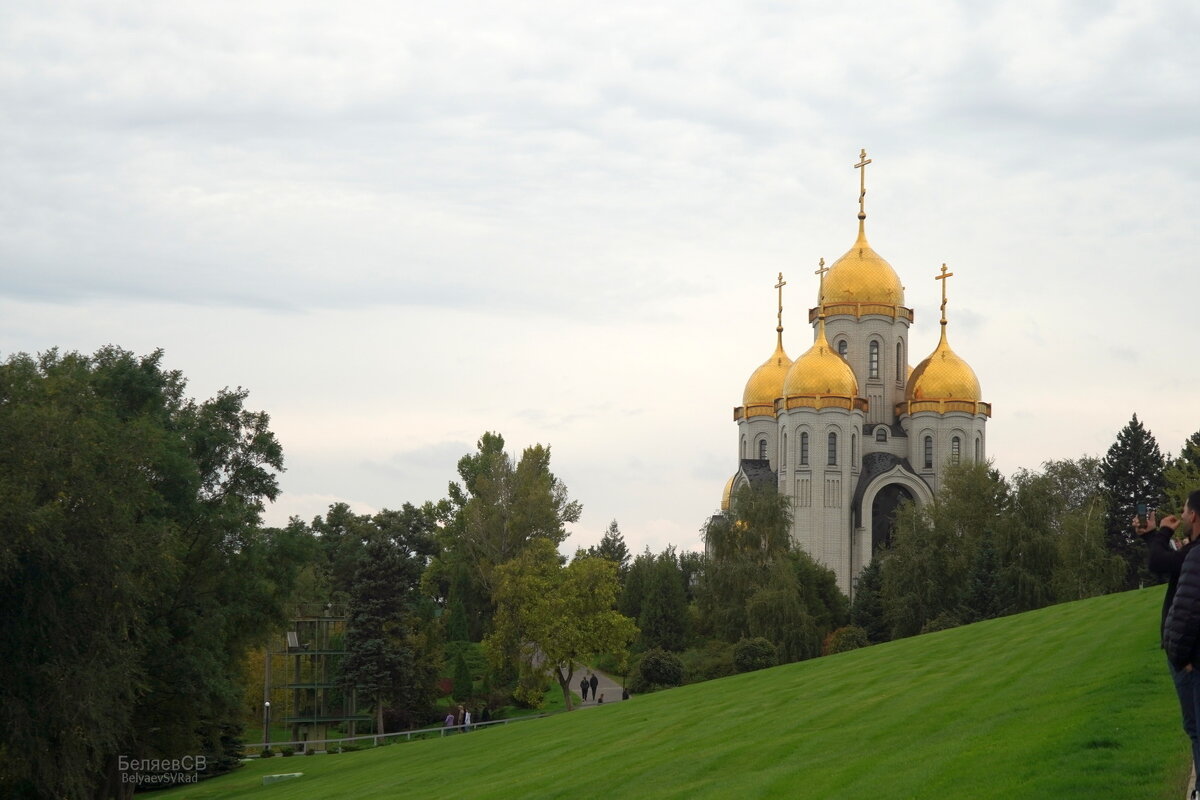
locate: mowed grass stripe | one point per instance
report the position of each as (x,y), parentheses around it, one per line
(1069,701)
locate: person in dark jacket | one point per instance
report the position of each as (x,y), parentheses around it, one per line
(1181,609)
(583,687)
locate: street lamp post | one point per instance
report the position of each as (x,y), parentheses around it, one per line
(266,726)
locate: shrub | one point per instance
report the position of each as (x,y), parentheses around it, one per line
(713,660)
(845,639)
(286,751)
(266,753)
(657,669)
(752,654)
(530,691)
(464,686)
(943,621)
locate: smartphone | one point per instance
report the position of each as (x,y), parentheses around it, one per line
(1141,512)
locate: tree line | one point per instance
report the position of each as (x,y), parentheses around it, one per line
(140,585)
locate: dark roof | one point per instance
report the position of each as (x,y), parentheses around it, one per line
(758,473)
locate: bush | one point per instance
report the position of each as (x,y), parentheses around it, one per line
(610,664)
(657,669)
(266,753)
(531,689)
(752,654)
(286,751)
(713,660)
(942,622)
(845,639)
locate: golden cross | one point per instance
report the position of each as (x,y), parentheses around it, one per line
(782,283)
(862,183)
(942,278)
(822,269)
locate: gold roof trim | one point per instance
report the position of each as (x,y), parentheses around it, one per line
(860,310)
(909,407)
(819,401)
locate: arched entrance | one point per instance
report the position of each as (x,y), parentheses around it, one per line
(883,512)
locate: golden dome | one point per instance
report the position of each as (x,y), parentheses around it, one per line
(725,495)
(767,381)
(943,376)
(860,277)
(821,371)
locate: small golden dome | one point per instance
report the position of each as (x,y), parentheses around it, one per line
(767,381)
(821,371)
(725,495)
(943,376)
(862,276)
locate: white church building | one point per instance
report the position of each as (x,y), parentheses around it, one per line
(849,430)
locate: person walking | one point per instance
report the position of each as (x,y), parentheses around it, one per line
(1180,630)
(583,687)
(593,682)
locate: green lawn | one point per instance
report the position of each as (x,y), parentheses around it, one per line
(1065,702)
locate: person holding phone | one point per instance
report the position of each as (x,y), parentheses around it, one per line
(1180,628)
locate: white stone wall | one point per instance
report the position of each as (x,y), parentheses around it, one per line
(884,392)
(943,428)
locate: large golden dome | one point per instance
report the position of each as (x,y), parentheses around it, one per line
(862,276)
(943,376)
(766,383)
(821,372)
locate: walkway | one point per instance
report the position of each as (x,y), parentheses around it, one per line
(607,687)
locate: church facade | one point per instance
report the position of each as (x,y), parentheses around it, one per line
(848,430)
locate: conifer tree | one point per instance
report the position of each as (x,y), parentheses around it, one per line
(866,611)
(1182,476)
(663,615)
(1131,473)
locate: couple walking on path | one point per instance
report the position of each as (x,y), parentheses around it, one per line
(599,686)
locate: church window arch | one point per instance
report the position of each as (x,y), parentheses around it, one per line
(842,348)
(853,450)
(881,434)
(762,449)
(783,452)
(899,362)
(743,447)
(832,461)
(978,448)
(873,359)
(928,452)
(955,450)
(804,449)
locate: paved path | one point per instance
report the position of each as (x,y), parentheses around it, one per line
(607,687)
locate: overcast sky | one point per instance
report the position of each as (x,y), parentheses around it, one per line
(401,224)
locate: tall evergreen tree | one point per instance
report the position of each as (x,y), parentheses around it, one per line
(1182,475)
(867,609)
(1131,473)
(663,617)
(612,546)
(387,662)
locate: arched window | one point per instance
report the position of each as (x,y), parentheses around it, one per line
(762,449)
(842,348)
(978,447)
(743,447)
(804,449)
(832,450)
(853,450)
(873,365)
(955,450)
(881,434)
(928,452)
(783,453)
(899,361)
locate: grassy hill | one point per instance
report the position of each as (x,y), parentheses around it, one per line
(1064,702)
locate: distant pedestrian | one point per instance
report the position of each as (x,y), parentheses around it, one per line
(449,721)
(601,700)
(593,682)
(583,687)
(466,720)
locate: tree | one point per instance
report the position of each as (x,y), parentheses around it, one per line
(663,617)
(385,661)
(866,611)
(612,546)
(133,564)
(1131,473)
(492,516)
(1182,475)
(551,617)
